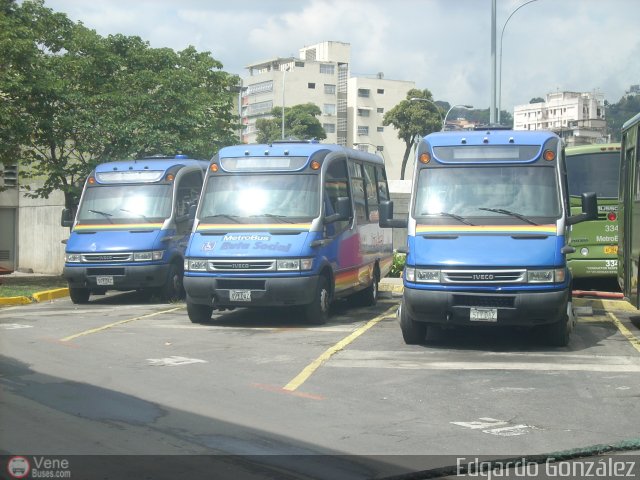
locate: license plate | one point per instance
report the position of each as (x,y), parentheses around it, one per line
(240,295)
(104,280)
(484,314)
(612,249)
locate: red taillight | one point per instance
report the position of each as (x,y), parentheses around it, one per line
(612,216)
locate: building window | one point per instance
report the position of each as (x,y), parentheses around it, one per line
(363,130)
(260,87)
(311,85)
(259,108)
(381,91)
(329,127)
(327,68)
(380,110)
(380,129)
(363,92)
(329,109)
(329,89)
(363,112)
(299,64)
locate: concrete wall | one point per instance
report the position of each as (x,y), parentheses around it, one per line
(40,248)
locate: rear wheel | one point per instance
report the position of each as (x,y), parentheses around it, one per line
(414,333)
(199,313)
(317,312)
(369,296)
(79,295)
(172,290)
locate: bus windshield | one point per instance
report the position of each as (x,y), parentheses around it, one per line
(475,191)
(594,172)
(125,202)
(234,198)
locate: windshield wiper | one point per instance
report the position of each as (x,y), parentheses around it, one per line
(510,213)
(272,215)
(104,214)
(136,214)
(450,215)
(225,215)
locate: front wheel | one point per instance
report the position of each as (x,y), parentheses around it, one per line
(413,333)
(199,313)
(557,334)
(79,295)
(317,312)
(172,290)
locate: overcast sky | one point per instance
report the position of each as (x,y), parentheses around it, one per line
(442,45)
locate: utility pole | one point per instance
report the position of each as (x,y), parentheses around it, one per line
(492,109)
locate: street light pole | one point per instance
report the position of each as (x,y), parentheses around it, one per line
(500,63)
(444,122)
(284,74)
(420,99)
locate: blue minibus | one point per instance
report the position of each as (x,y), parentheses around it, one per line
(487,233)
(287,224)
(132,226)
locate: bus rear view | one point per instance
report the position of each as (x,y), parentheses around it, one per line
(486,234)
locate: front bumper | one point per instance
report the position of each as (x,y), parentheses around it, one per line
(264,291)
(518,308)
(125,277)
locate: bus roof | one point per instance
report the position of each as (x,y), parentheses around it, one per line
(494,137)
(151,163)
(292,149)
(593,148)
(633,120)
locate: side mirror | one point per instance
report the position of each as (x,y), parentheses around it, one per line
(66,220)
(589,209)
(192,211)
(386,216)
(343,207)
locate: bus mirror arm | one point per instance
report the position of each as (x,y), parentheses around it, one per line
(567,249)
(386,216)
(589,209)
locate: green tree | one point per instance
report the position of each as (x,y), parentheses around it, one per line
(300,121)
(414,119)
(618,113)
(74,99)
(537,100)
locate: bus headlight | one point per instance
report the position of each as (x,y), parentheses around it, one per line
(584,251)
(427,276)
(546,276)
(294,264)
(195,264)
(148,256)
(410,274)
(72,257)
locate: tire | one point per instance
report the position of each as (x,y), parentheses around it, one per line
(558,334)
(413,333)
(79,295)
(173,288)
(369,296)
(199,313)
(317,312)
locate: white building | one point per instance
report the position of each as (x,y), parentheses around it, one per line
(579,118)
(352,108)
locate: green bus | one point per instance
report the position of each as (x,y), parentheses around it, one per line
(629,211)
(594,168)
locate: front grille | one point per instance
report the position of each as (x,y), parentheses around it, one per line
(242,265)
(107,257)
(241,284)
(493,301)
(484,276)
(105,271)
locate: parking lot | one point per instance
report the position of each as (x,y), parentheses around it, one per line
(120,375)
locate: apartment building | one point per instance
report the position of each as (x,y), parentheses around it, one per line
(579,118)
(352,107)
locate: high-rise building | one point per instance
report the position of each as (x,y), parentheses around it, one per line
(579,118)
(321,75)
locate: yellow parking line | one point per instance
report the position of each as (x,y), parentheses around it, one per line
(625,331)
(115,324)
(313,366)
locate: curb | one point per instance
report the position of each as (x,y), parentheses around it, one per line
(37,297)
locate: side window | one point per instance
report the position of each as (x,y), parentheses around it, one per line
(188,192)
(371,187)
(336,184)
(357,189)
(383,188)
